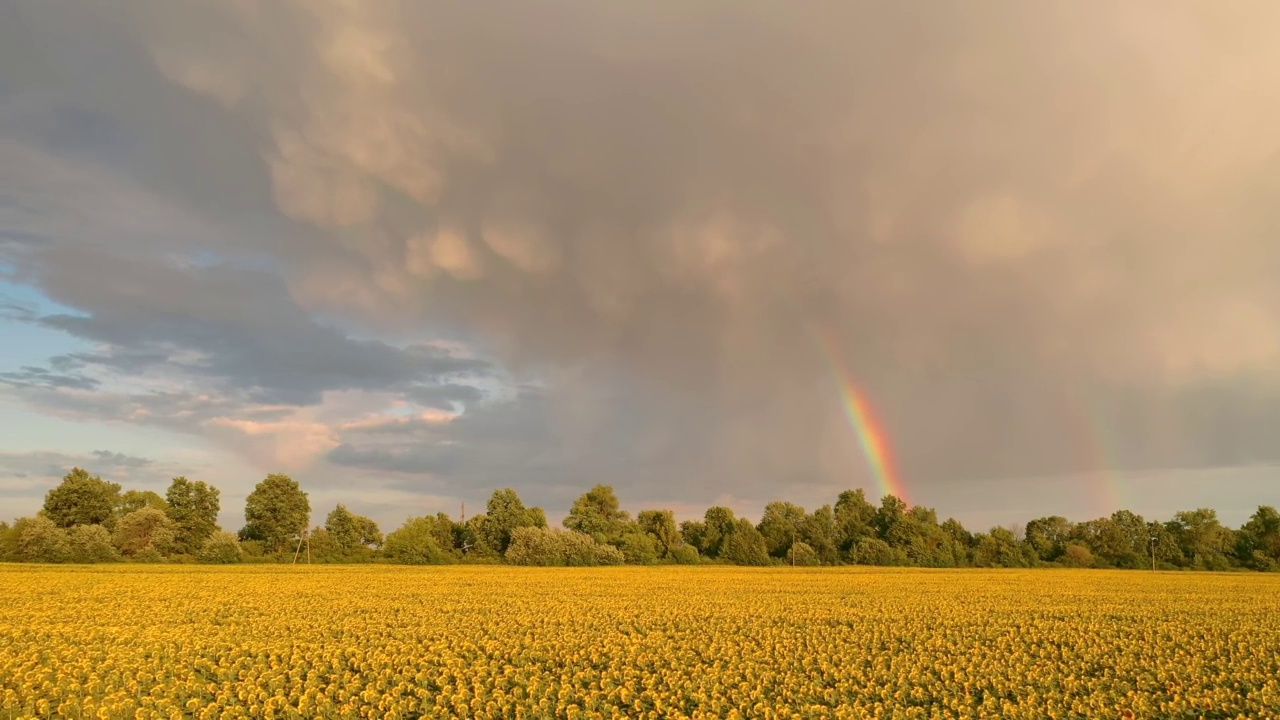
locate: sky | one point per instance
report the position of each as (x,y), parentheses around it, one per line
(410,253)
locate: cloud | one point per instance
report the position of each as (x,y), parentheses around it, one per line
(25,477)
(1028,232)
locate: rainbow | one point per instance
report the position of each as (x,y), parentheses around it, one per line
(871,433)
(1092,434)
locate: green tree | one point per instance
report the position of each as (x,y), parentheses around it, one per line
(661,524)
(820,533)
(472,537)
(694,534)
(143,528)
(638,547)
(855,519)
(417,543)
(1000,548)
(194,507)
(8,543)
(718,523)
(82,499)
(276,513)
(221,548)
(137,499)
(1258,544)
(1204,542)
(745,545)
(1048,537)
(351,533)
(780,526)
(505,512)
(597,513)
(891,512)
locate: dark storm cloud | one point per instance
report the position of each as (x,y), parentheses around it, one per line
(1028,231)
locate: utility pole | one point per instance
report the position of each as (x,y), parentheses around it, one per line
(304,537)
(464,512)
(1153,553)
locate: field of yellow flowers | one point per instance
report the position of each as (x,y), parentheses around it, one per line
(711,642)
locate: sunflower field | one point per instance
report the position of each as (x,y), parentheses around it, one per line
(707,642)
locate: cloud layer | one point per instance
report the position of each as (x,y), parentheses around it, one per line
(1041,237)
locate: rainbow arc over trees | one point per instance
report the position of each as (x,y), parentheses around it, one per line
(873,436)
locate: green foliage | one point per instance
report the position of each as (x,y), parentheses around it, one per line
(133,500)
(1000,548)
(178,526)
(545,546)
(276,513)
(694,534)
(1048,537)
(146,527)
(40,540)
(661,525)
(597,513)
(148,555)
(90,544)
(874,551)
(819,531)
(780,526)
(8,543)
(221,548)
(194,507)
(686,555)
(802,554)
(718,523)
(638,547)
(418,542)
(745,545)
(352,534)
(1258,542)
(82,499)
(1077,556)
(505,512)
(1201,539)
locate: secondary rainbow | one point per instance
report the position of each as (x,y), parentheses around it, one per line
(871,433)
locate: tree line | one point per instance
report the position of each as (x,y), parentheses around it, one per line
(86,519)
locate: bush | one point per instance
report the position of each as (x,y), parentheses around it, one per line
(222,548)
(639,548)
(415,544)
(686,555)
(147,527)
(582,550)
(40,540)
(252,549)
(91,544)
(148,555)
(1077,556)
(551,547)
(874,551)
(802,554)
